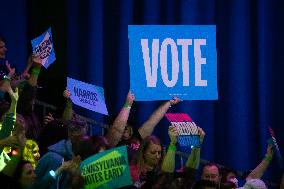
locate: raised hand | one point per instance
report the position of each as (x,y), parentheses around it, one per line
(173,134)
(48,118)
(201,134)
(129,99)
(11,70)
(175,100)
(13,95)
(66,93)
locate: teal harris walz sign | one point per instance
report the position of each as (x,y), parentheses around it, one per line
(167,61)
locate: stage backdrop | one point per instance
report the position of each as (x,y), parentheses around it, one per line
(91,44)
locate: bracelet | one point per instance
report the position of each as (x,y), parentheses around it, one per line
(52,174)
(126,105)
(35,71)
(267,158)
(172,147)
(6,78)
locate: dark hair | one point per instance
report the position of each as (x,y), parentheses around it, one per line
(210,164)
(225,172)
(83,146)
(99,143)
(19,169)
(139,157)
(57,129)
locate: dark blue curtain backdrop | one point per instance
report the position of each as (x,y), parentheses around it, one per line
(91,43)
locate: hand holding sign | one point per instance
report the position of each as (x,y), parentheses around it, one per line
(175,100)
(201,135)
(43,46)
(173,134)
(66,93)
(129,99)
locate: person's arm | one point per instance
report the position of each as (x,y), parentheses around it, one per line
(68,111)
(194,157)
(35,70)
(168,164)
(261,168)
(114,134)
(10,117)
(147,128)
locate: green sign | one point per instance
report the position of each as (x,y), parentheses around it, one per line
(108,169)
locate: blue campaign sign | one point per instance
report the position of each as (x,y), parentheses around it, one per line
(43,46)
(108,169)
(87,96)
(167,61)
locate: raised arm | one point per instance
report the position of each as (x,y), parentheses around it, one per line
(147,128)
(114,134)
(10,117)
(168,164)
(68,111)
(36,62)
(261,168)
(194,157)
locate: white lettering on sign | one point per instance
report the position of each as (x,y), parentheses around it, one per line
(151,64)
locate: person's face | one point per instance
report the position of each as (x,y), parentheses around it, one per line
(3,50)
(232,177)
(36,153)
(126,134)
(211,173)
(28,175)
(153,154)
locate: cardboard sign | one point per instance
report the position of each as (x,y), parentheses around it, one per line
(87,96)
(187,130)
(43,46)
(167,61)
(108,169)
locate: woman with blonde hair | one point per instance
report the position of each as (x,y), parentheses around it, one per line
(31,152)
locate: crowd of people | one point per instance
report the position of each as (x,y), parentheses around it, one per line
(47,153)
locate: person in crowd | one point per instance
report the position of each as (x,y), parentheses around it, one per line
(3,48)
(146,165)
(65,150)
(31,152)
(211,172)
(186,176)
(24,175)
(122,133)
(229,175)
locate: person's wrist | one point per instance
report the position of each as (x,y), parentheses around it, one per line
(172,147)
(6,78)
(53,174)
(267,157)
(127,105)
(35,71)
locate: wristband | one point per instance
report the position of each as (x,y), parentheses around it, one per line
(6,78)
(126,105)
(52,174)
(35,71)
(172,147)
(267,158)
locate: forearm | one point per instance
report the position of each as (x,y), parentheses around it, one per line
(114,134)
(147,128)
(68,111)
(34,76)
(193,159)
(7,125)
(168,164)
(260,169)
